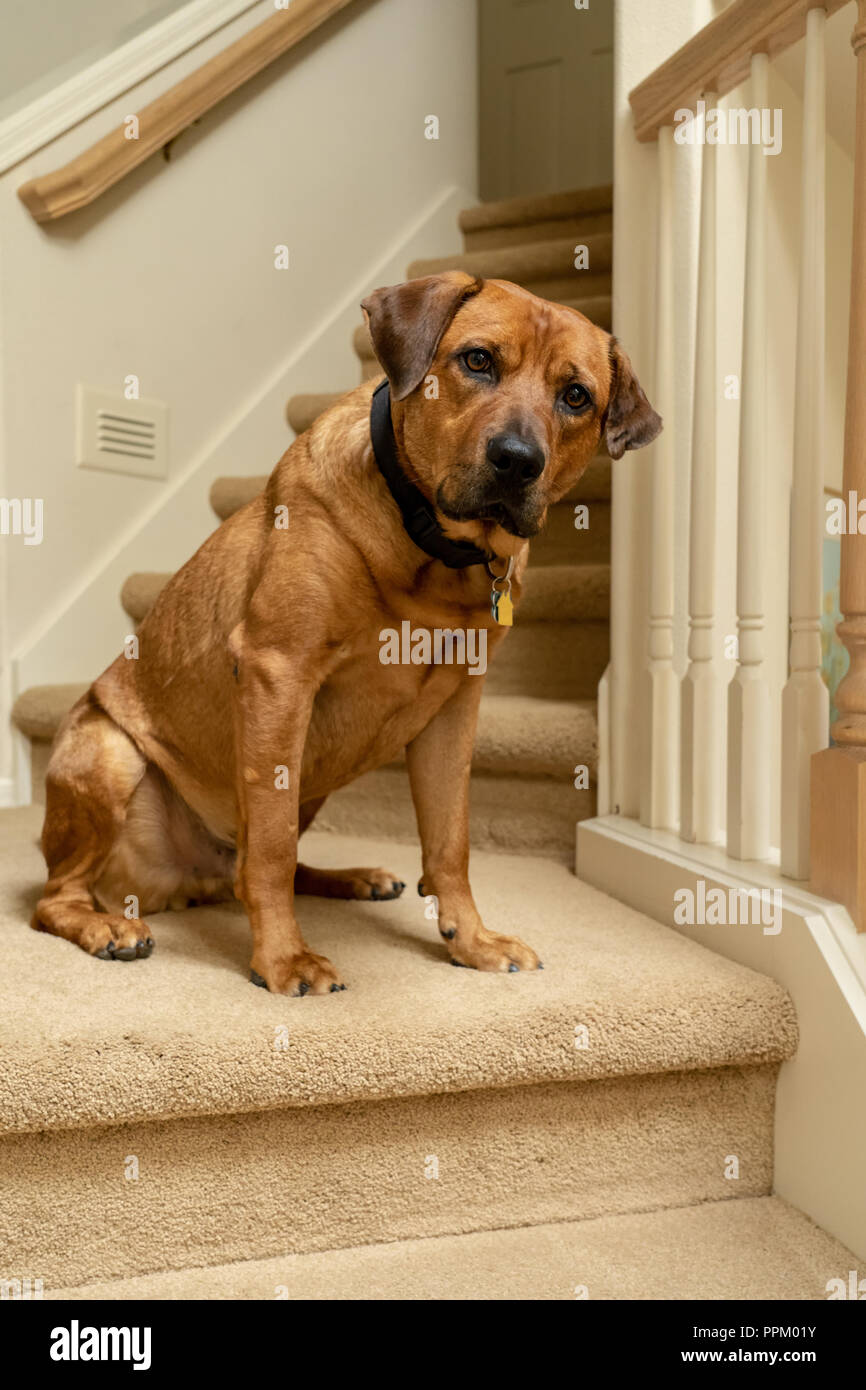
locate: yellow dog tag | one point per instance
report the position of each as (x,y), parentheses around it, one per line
(503,608)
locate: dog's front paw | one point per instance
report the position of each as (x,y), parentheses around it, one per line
(487,950)
(305,973)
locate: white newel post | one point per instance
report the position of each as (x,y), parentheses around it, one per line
(659,803)
(748,801)
(701,723)
(805,701)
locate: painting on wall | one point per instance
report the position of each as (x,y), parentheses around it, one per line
(834,657)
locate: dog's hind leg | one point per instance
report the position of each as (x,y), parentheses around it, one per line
(93,772)
(370,884)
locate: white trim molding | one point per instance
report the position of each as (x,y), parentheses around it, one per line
(817,955)
(52,114)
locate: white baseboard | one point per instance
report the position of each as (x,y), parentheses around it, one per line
(818,956)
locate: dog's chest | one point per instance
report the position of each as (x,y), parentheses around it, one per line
(388,685)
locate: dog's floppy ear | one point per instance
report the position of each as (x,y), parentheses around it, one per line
(406,323)
(630,421)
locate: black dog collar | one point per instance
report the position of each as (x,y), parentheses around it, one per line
(418,516)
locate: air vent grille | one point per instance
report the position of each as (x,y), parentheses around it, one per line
(122,436)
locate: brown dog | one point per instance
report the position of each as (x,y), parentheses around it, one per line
(189,770)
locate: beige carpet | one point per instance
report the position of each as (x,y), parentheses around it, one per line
(116,1201)
(757,1248)
(184,1033)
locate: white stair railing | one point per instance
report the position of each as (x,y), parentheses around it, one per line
(660,779)
(748,801)
(700,805)
(822,792)
(805,701)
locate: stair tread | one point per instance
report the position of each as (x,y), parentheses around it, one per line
(551,593)
(516,734)
(545,207)
(747,1248)
(303,409)
(38,711)
(529,262)
(186,1033)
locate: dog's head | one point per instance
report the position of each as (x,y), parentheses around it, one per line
(500,398)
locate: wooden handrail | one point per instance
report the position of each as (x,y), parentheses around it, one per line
(717,58)
(84,178)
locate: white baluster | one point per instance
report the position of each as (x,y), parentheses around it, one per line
(701,722)
(805,702)
(660,772)
(748,810)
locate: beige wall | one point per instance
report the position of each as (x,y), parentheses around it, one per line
(171,276)
(60,36)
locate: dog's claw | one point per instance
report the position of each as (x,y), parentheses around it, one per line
(448,933)
(256,979)
(335,988)
(460,963)
(143,948)
(540,965)
(397,887)
(512,967)
(303,988)
(421,893)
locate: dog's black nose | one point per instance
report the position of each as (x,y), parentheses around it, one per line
(516,460)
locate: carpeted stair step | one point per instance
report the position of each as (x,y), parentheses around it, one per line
(515,221)
(518,736)
(228,495)
(545,267)
(755,1248)
(509,815)
(559,645)
(263,1126)
(598,308)
(578,593)
(303,410)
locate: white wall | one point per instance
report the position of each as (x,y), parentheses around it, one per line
(641,45)
(171,276)
(43,41)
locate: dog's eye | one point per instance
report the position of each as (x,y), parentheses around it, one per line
(478,360)
(576,397)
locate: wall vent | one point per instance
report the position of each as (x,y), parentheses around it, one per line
(121,436)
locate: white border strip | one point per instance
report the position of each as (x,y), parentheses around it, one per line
(710,861)
(42,120)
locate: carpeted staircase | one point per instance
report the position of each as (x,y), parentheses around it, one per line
(169,1131)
